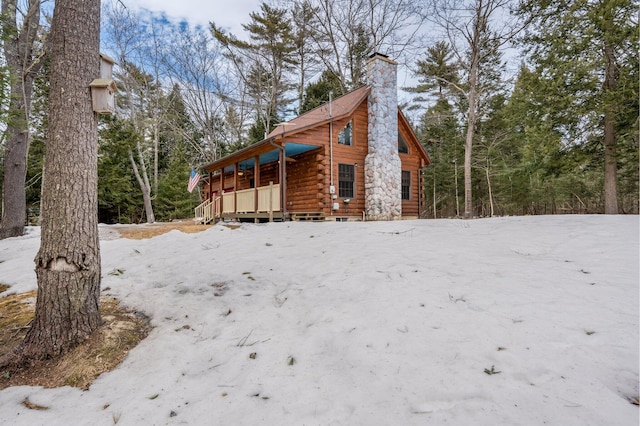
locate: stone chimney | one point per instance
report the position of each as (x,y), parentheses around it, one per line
(382,167)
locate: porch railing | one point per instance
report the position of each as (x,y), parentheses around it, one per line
(239,202)
(208,210)
(246,201)
(228,202)
(269,198)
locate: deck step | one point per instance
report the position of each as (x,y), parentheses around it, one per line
(308,216)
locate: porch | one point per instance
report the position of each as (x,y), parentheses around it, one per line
(262,182)
(260,204)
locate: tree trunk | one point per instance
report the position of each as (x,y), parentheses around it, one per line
(455,171)
(435,215)
(474,44)
(468,146)
(156,141)
(143,182)
(23,63)
(610,161)
(491,211)
(14,201)
(68,262)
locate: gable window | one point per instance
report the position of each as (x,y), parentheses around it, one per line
(403,148)
(406,185)
(346,178)
(346,134)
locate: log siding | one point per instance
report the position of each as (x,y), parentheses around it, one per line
(310,174)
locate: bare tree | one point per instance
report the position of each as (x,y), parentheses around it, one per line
(23,52)
(307,63)
(68,262)
(475,30)
(132,46)
(195,65)
(346,31)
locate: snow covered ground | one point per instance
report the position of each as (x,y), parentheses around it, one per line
(504,321)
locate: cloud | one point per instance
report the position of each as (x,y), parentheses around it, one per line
(229,16)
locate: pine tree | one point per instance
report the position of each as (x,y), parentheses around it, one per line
(585,49)
(264,63)
(318,93)
(68,261)
(441,136)
(474,35)
(118,201)
(438,130)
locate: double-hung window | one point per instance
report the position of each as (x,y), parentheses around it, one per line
(346,180)
(406,185)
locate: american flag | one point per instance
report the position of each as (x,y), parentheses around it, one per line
(193,180)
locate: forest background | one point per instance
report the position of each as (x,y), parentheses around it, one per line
(532,98)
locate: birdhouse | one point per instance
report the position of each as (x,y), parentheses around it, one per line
(103,89)
(103,94)
(106,66)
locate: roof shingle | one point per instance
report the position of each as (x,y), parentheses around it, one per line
(340,107)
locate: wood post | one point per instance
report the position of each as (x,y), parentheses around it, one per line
(271,200)
(221,191)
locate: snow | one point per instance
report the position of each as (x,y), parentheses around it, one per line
(377,323)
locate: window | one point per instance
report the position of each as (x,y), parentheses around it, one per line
(345,135)
(406,185)
(403,148)
(346,178)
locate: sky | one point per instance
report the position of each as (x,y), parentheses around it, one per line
(230,15)
(227,14)
(503,321)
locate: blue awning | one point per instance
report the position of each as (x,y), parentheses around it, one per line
(291,149)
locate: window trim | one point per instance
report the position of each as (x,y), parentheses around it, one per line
(349,126)
(405,189)
(401,138)
(352,181)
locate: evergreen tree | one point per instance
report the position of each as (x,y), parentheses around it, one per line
(440,134)
(177,154)
(474,36)
(436,73)
(264,63)
(140,102)
(439,131)
(318,93)
(173,201)
(491,129)
(587,51)
(117,189)
(535,147)
(68,261)
(118,186)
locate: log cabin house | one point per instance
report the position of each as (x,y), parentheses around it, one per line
(353,158)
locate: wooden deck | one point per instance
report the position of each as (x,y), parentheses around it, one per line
(255,204)
(259,204)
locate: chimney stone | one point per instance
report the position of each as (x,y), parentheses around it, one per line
(382,167)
